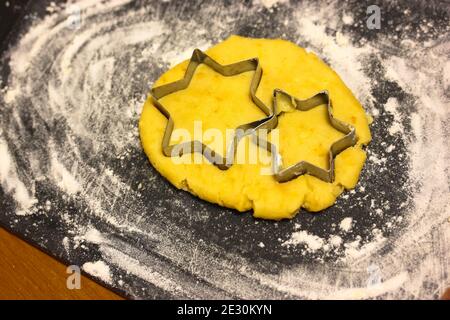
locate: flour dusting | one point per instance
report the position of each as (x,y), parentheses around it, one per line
(71,160)
(12,184)
(98,269)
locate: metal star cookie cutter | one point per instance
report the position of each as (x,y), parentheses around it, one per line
(198,57)
(304,167)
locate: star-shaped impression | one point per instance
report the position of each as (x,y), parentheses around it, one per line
(198,57)
(303,167)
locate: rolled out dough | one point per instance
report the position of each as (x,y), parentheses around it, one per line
(224,103)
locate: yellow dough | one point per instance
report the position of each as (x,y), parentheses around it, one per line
(224,103)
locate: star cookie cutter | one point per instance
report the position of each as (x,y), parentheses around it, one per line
(199,57)
(304,167)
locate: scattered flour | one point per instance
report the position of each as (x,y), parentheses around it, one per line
(346,224)
(312,242)
(347,18)
(335,241)
(63,177)
(12,184)
(98,269)
(80,77)
(392,107)
(270,3)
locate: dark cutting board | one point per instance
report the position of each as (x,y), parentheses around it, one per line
(160,242)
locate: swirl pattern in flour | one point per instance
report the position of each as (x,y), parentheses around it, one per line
(75,181)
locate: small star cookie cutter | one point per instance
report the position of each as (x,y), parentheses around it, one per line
(199,57)
(303,167)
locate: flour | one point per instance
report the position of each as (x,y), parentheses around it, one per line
(12,184)
(335,241)
(347,18)
(98,269)
(134,267)
(392,107)
(271,3)
(88,86)
(346,224)
(312,242)
(63,177)
(345,59)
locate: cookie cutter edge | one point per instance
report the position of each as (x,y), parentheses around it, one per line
(199,57)
(304,167)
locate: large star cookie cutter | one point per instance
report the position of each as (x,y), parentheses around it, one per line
(198,57)
(303,167)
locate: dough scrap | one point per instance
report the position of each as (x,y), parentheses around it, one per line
(224,103)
